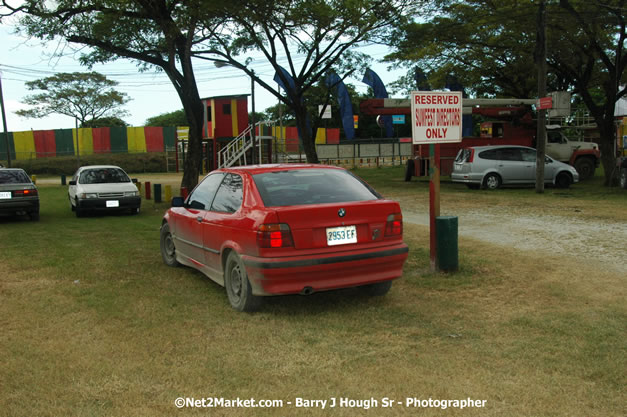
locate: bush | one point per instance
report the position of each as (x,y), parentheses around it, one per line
(134,162)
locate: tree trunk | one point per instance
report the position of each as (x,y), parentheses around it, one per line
(306,135)
(607,147)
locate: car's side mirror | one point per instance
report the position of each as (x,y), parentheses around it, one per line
(547,161)
(72,182)
(177,202)
(134,180)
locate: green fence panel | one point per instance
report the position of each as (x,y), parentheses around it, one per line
(169,137)
(3,146)
(119,139)
(64,142)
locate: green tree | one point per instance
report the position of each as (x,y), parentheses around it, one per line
(489,46)
(85,96)
(105,122)
(307,38)
(157,34)
(175,118)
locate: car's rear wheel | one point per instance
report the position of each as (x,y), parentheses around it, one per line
(237,285)
(168,250)
(563,180)
(623,178)
(379,289)
(492,181)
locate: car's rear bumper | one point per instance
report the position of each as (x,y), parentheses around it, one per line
(325,272)
(18,205)
(124,203)
(466,178)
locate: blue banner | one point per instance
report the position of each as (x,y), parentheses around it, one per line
(372,79)
(344,100)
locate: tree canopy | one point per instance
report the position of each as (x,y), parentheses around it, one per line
(489,46)
(158,34)
(175,118)
(85,96)
(303,41)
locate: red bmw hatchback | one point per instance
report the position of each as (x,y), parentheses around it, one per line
(285,229)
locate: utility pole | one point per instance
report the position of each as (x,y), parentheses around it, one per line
(4,124)
(541,127)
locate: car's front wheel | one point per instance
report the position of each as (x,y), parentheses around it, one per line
(168,250)
(492,181)
(237,285)
(563,180)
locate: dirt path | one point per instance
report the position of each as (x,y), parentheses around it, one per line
(589,241)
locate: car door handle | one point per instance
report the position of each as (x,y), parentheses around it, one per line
(199,219)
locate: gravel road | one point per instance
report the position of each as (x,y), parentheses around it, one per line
(589,241)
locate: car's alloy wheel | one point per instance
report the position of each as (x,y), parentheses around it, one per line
(237,286)
(492,181)
(168,250)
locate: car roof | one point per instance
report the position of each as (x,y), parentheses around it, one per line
(11,169)
(261,169)
(483,148)
(98,167)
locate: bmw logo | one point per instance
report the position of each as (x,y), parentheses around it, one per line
(341,212)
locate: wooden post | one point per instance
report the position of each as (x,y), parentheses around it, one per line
(434,202)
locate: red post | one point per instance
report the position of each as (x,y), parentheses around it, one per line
(434,202)
(148,189)
(184,192)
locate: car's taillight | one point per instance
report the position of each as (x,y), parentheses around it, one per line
(471,156)
(394,225)
(24,193)
(274,236)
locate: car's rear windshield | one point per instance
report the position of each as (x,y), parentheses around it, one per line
(13,177)
(311,186)
(103,176)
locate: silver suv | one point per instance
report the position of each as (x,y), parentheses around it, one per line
(493,166)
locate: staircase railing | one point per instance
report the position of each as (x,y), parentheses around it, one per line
(236,150)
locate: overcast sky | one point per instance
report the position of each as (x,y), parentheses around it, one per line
(152,94)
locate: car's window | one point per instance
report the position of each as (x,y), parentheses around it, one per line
(203,194)
(509,154)
(103,176)
(311,186)
(554,137)
(229,196)
(528,155)
(489,154)
(13,177)
(463,155)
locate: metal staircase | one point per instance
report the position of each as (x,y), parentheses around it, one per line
(235,152)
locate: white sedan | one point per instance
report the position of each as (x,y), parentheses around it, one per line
(102,188)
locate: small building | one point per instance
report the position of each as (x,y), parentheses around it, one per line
(226,117)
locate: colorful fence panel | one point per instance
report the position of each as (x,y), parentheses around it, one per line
(101,139)
(82,140)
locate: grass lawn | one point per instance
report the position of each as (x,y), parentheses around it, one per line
(92,323)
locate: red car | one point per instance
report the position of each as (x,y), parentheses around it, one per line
(286,229)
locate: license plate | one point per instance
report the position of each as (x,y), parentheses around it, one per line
(113,203)
(341,235)
(5,195)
